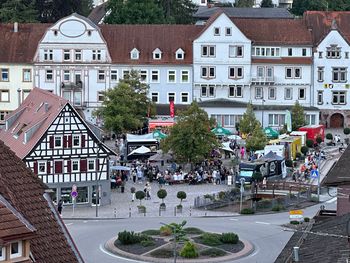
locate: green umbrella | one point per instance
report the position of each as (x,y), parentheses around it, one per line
(271,133)
(220,131)
(159,135)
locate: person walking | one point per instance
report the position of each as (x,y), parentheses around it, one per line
(264,183)
(147,191)
(60,206)
(242,152)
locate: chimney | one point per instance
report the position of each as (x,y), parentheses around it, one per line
(46,107)
(15,27)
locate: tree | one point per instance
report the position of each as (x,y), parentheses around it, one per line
(86,7)
(258,140)
(298,117)
(22,11)
(244,3)
(300,6)
(178,11)
(266,3)
(248,121)
(134,12)
(126,106)
(190,138)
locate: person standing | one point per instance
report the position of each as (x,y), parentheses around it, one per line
(148,191)
(60,206)
(264,183)
(242,152)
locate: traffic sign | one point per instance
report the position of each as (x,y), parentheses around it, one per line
(314,174)
(74,194)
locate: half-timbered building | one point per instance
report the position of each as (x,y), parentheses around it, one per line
(50,136)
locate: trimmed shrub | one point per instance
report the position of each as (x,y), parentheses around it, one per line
(162,193)
(189,250)
(307,219)
(247,211)
(213,252)
(329,136)
(129,238)
(289,163)
(140,195)
(165,231)
(309,143)
(193,231)
(147,243)
(181,195)
(277,208)
(294,222)
(304,149)
(210,239)
(346,131)
(229,238)
(151,232)
(319,140)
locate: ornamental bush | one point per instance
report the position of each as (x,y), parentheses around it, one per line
(181,195)
(229,238)
(247,211)
(129,238)
(329,136)
(319,140)
(189,250)
(346,131)
(210,239)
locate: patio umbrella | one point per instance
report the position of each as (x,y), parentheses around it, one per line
(271,133)
(220,131)
(141,150)
(159,135)
(234,137)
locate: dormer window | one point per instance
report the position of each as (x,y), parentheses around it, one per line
(216,31)
(157,54)
(180,54)
(228,31)
(134,54)
(16,249)
(333,51)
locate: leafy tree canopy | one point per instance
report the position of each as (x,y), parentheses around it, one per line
(17,11)
(248,121)
(190,138)
(126,106)
(298,118)
(244,3)
(300,6)
(258,140)
(178,11)
(266,3)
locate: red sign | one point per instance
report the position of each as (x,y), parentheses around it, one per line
(172,109)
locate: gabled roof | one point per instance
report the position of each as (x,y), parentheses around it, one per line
(36,113)
(321,23)
(26,194)
(20,47)
(12,224)
(204,12)
(339,174)
(274,31)
(146,38)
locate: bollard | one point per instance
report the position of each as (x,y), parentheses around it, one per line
(160,211)
(129,211)
(144,212)
(190,211)
(115,212)
(273,191)
(290,191)
(175,211)
(296,254)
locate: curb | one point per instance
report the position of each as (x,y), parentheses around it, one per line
(246,251)
(121,218)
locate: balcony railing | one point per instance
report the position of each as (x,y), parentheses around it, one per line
(263,80)
(72,85)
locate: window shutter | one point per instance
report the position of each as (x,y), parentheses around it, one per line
(58,167)
(48,167)
(83,141)
(83,165)
(69,166)
(70,141)
(36,167)
(51,142)
(65,142)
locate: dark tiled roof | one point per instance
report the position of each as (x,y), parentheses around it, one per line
(226,103)
(339,174)
(275,31)
(321,23)
(318,247)
(121,39)
(26,193)
(283,60)
(21,46)
(98,13)
(206,12)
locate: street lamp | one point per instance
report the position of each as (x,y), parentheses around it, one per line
(97,194)
(242,180)
(262,114)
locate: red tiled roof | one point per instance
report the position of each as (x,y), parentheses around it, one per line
(321,23)
(121,39)
(20,47)
(33,113)
(12,225)
(26,193)
(283,60)
(274,31)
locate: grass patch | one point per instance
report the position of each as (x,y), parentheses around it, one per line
(151,232)
(193,231)
(147,243)
(162,253)
(247,211)
(213,252)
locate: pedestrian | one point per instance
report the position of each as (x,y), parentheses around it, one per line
(133,174)
(264,183)
(60,206)
(147,191)
(242,152)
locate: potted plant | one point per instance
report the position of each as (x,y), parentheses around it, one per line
(139,196)
(181,195)
(162,193)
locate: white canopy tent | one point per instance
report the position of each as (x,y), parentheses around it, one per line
(141,150)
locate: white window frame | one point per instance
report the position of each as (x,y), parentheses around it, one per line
(153,94)
(78,52)
(319,95)
(291,72)
(3,99)
(207,75)
(25,73)
(276,119)
(185,73)
(236,75)
(88,165)
(173,73)
(101,72)
(54,141)
(320,74)
(114,75)
(291,93)
(339,94)
(142,73)
(274,93)
(75,161)
(79,140)
(209,48)
(179,54)
(155,72)
(64,74)
(266,52)
(68,53)
(168,96)
(7,72)
(299,97)
(45,167)
(333,52)
(290,52)
(157,54)
(126,72)
(185,94)
(46,74)
(216,31)
(340,71)
(304,52)
(3,253)
(256,93)
(207,91)
(295,71)
(96,55)
(48,55)
(134,54)
(99,95)
(228,31)
(20,250)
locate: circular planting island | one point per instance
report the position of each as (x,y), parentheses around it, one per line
(192,245)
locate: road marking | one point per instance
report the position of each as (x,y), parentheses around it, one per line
(69,224)
(331,200)
(85,222)
(115,256)
(233,219)
(263,223)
